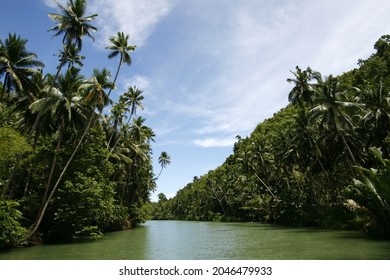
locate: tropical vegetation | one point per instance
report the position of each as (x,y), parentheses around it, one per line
(73,162)
(321,161)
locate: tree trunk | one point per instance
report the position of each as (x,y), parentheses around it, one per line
(36,225)
(48,183)
(265,185)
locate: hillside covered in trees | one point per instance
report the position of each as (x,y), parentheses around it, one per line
(322,161)
(68,171)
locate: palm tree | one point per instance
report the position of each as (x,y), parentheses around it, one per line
(149,135)
(303,90)
(371,195)
(65,108)
(331,116)
(95,93)
(137,178)
(70,54)
(95,89)
(137,130)
(64,101)
(73,25)
(164,159)
(17,65)
(376,119)
(118,111)
(19,68)
(120,47)
(132,99)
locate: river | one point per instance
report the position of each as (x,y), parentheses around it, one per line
(181,240)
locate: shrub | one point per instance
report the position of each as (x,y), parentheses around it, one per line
(12,234)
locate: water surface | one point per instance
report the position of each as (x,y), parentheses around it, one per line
(163,240)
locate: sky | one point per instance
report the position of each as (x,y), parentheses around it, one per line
(209,69)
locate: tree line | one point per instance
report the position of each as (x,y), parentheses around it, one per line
(68,169)
(321,161)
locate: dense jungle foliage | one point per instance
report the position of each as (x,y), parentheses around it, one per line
(68,171)
(322,161)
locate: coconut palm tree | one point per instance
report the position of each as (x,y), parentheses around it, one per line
(95,93)
(73,25)
(118,111)
(375,100)
(164,159)
(330,114)
(66,109)
(371,195)
(95,89)
(303,90)
(132,99)
(71,55)
(120,47)
(17,65)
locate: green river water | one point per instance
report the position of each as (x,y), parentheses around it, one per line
(181,240)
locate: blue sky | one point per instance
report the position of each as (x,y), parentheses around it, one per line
(210,69)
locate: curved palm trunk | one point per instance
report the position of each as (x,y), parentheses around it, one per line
(348,149)
(112,135)
(264,184)
(116,76)
(160,172)
(48,183)
(36,225)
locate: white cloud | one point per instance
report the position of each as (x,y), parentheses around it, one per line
(133,17)
(141,82)
(215,142)
(237,62)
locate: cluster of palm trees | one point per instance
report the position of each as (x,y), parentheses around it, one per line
(302,165)
(60,113)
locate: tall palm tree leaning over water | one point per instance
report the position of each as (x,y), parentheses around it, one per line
(73,25)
